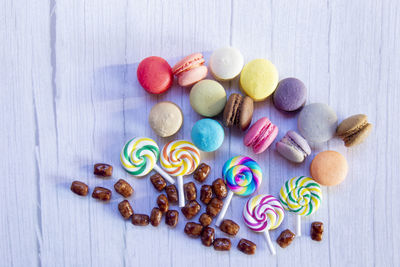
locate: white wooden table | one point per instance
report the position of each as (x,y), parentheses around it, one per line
(70,98)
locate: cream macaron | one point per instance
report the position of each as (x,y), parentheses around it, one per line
(165,118)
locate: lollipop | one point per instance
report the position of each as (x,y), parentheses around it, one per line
(242,176)
(139,156)
(302,196)
(262,213)
(180,158)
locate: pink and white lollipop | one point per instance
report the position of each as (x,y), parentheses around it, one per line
(263,213)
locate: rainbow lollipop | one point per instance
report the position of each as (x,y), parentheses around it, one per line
(139,156)
(243,176)
(180,158)
(263,213)
(302,196)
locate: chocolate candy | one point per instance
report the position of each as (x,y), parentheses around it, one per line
(158,182)
(125,209)
(190,191)
(206,194)
(219,188)
(214,207)
(79,188)
(123,188)
(222,244)
(207,236)
(317,229)
(171,218)
(191,209)
(172,194)
(162,202)
(101,193)
(193,229)
(155,217)
(205,219)
(140,219)
(285,238)
(202,172)
(229,227)
(247,247)
(102,169)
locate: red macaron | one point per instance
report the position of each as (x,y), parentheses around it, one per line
(155,75)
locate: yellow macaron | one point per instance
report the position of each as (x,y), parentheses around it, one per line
(259,79)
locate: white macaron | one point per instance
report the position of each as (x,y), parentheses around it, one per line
(226,63)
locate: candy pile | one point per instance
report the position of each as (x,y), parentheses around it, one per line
(241,175)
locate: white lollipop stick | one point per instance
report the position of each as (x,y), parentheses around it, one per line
(180,191)
(269,242)
(164,174)
(298,225)
(224,208)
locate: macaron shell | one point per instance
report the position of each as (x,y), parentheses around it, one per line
(165,118)
(329,168)
(231,108)
(187,63)
(246,113)
(300,141)
(267,140)
(317,122)
(359,137)
(290,95)
(154,75)
(351,124)
(289,152)
(226,63)
(208,135)
(208,98)
(192,76)
(259,79)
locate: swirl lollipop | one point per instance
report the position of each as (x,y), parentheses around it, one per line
(243,176)
(302,196)
(180,158)
(263,213)
(139,156)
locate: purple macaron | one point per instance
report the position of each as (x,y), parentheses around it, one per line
(290,95)
(293,147)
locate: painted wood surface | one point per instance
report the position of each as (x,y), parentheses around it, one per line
(70,98)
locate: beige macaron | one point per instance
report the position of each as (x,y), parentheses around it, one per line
(165,118)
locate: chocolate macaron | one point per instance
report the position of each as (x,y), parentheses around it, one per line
(354,129)
(238,111)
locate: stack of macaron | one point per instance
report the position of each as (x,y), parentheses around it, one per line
(258,79)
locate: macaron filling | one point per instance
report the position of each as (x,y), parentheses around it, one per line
(263,134)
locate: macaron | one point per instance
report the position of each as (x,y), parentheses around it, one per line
(154,75)
(317,122)
(190,70)
(165,118)
(238,111)
(329,168)
(261,135)
(259,79)
(290,95)
(354,129)
(208,135)
(293,147)
(208,98)
(226,63)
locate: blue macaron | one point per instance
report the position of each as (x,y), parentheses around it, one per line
(208,135)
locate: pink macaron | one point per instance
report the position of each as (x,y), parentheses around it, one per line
(261,135)
(155,75)
(190,70)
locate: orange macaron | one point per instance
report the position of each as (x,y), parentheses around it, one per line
(329,168)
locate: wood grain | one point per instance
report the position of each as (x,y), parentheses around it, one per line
(70,99)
